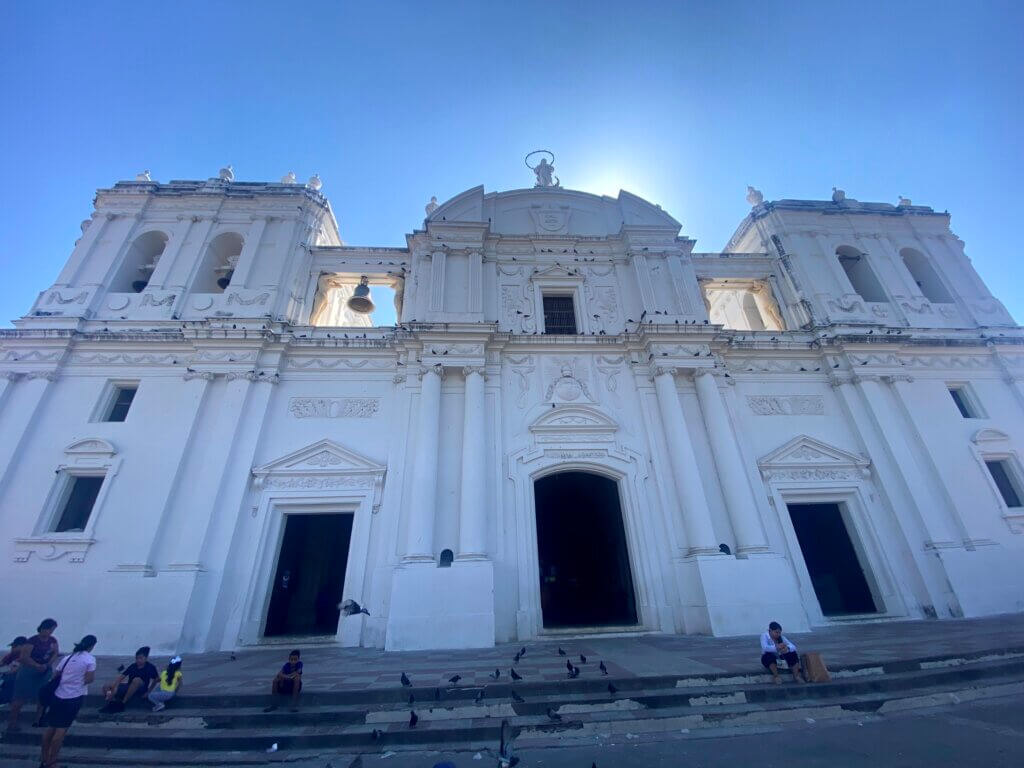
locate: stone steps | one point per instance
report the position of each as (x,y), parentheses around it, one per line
(653,704)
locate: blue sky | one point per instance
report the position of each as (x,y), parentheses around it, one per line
(682,103)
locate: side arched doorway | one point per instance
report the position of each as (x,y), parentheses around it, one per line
(585,575)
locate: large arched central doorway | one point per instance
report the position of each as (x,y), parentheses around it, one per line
(585,578)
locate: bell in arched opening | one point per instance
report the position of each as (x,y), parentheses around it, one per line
(360,300)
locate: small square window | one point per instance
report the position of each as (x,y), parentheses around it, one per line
(964,401)
(121,402)
(1004,478)
(78,506)
(559,314)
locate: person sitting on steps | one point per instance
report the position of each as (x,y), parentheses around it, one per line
(773,645)
(169,685)
(134,682)
(288,682)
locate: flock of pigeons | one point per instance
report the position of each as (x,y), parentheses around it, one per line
(505,757)
(573,673)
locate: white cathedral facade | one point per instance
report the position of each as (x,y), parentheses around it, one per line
(579,423)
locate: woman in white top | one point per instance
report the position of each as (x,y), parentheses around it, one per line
(76,670)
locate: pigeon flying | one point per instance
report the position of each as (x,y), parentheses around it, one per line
(516,675)
(454,679)
(405,680)
(413,719)
(603,668)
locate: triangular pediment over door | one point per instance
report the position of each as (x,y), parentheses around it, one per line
(323,464)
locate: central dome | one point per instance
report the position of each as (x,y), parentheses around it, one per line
(553,211)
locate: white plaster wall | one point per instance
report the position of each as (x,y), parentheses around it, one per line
(185,536)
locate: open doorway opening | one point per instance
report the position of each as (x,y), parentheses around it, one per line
(310,576)
(585,576)
(837,571)
(333,306)
(742,305)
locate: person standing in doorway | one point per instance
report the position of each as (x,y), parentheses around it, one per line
(774,645)
(37,656)
(76,672)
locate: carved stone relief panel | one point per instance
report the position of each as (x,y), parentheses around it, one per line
(523,368)
(787,405)
(333,407)
(567,381)
(603,308)
(517,308)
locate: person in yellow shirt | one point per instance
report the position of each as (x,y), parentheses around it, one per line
(169,685)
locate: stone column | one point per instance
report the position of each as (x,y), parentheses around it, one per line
(473,509)
(739,500)
(420,543)
(700,535)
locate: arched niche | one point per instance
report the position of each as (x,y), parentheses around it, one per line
(218,263)
(139,262)
(860,274)
(924,274)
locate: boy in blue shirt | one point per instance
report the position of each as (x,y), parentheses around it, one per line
(288,682)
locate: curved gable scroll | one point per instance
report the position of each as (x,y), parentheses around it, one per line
(574,423)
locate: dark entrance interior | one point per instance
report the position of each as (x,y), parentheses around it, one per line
(310,575)
(836,571)
(585,579)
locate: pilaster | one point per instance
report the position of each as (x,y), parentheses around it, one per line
(739,500)
(700,535)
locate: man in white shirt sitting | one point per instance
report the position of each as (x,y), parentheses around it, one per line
(773,645)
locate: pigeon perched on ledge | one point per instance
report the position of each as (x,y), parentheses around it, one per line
(351,608)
